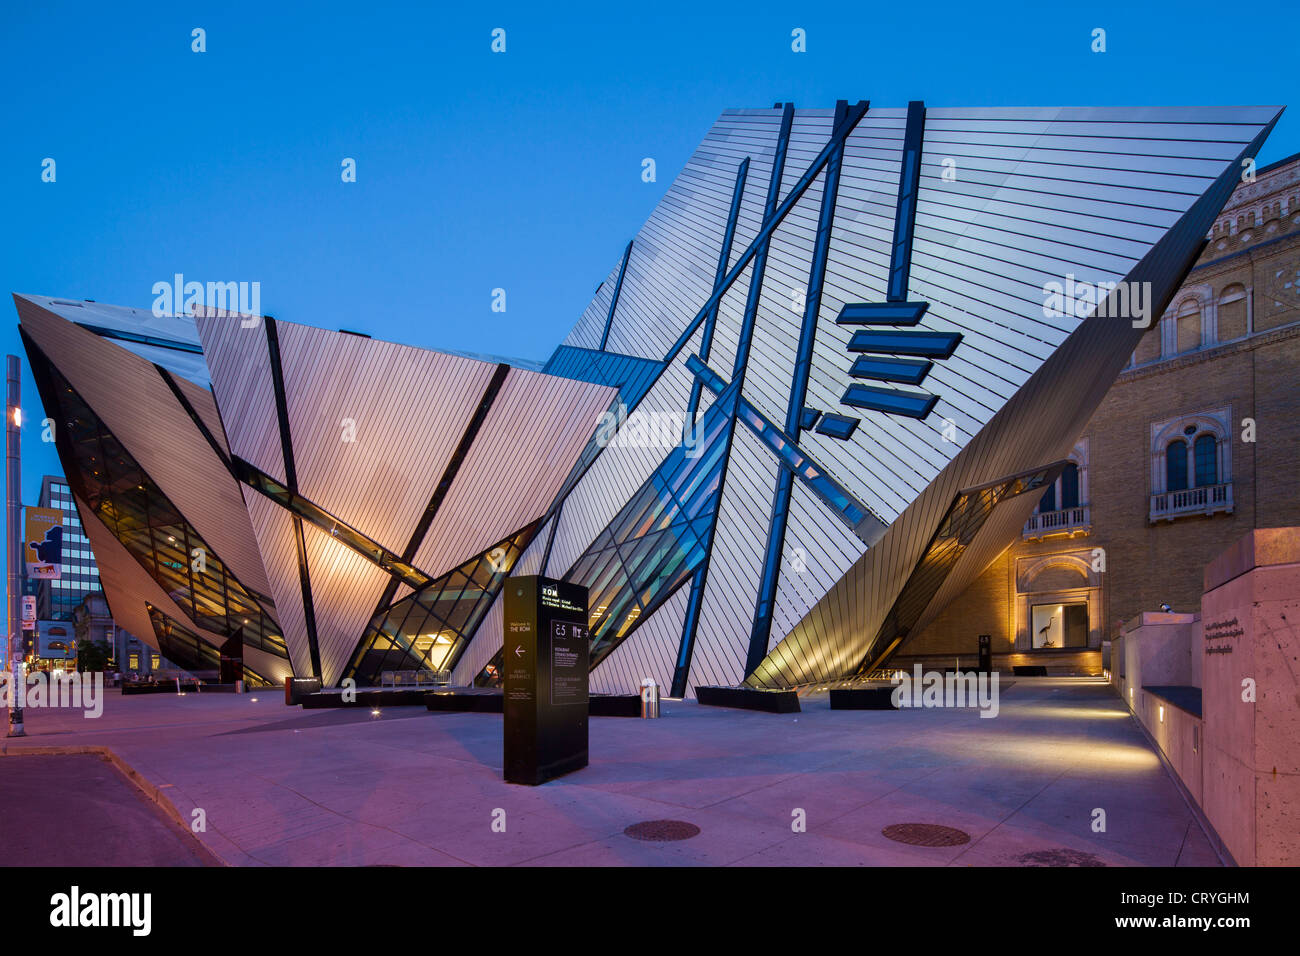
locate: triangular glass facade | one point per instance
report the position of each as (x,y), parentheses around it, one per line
(428,629)
(182,646)
(660,537)
(123,496)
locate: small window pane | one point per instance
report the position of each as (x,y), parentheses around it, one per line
(1207,463)
(1176,466)
(1070,486)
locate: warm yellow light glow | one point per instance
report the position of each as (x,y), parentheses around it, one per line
(1063,712)
(1162,713)
(18,416)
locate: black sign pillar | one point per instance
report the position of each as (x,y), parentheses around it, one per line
(986,654)
(545,663)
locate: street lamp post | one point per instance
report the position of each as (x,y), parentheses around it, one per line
(13,512)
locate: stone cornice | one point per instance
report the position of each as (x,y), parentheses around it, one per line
(1178,362)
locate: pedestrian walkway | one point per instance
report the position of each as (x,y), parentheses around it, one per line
(403,786)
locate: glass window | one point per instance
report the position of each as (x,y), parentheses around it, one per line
(1048,501)
(656,537)
(1059,625)
(1070,486)
(425,630)
(1207,461)
(1176,466)
(139,515)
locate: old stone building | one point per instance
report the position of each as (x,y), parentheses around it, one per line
(1197,442)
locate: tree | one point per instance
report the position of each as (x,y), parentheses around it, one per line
(93,656)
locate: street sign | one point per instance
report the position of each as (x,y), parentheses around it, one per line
(546,685)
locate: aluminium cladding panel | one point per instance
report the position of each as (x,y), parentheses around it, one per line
(671,271)
(487,640)
(530,562)
(650,651)
(240,365)
(882,465)
(172,338)
(621,468)
(408,408)
(1036,426)
(536,430)
(979,261)
(273,528)
(735,564)
(632,376)
(141,411)
(590,327)
(726,332)
(1003,525)
(345,587)
(779,317)
(819,549)
(205,406)
(274,669)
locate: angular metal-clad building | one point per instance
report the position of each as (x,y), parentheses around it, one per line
(808,404)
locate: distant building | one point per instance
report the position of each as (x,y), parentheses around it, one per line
(93,621)
(78,597)
(54,647)
(55,600)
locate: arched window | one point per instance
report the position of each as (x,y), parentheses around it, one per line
(1232,312)
(1048,501)
(1207,461)
(1187,333)
(1176,465)
(1070,486)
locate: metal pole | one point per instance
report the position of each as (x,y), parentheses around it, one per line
(13,511)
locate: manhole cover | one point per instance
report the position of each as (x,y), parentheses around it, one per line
(1060,857)
(662,830)
(925,834)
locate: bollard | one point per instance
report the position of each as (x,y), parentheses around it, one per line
(649,698)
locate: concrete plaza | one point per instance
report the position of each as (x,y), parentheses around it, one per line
(283,786)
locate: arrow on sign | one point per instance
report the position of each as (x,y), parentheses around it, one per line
(519,651)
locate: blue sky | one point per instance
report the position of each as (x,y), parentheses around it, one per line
(478,170)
